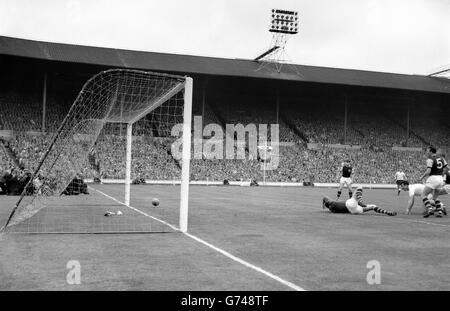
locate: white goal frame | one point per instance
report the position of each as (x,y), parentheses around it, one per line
(186,152)
(97,117)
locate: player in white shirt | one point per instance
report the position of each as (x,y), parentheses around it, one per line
(400,178)
(416,190)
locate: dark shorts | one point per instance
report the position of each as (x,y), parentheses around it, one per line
(400,182)
(338,207)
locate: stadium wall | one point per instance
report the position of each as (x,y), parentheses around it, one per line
(247,183)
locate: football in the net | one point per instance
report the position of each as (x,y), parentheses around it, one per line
(155,202)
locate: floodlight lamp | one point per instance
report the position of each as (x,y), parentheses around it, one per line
(283,21)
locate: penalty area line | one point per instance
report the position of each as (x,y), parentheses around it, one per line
(215,248)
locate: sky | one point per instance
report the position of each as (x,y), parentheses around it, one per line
(401,36)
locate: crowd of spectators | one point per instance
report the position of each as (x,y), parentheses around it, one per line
(327,125)
(151,158)
(432,131)
(298,164)
(374,162)
(22,111)
(245,117)
(318,127)
(382,132)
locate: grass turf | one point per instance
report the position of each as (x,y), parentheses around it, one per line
(282,230)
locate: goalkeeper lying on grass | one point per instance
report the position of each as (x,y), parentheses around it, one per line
(354,205)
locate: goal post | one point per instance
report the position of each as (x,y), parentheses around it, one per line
(186,155)
(128,164)
(148,104)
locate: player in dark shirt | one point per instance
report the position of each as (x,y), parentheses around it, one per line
(436,168)
(443,191)
(346,180)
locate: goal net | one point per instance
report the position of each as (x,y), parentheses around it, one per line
(124,128)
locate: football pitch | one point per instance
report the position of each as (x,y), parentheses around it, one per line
(240,238)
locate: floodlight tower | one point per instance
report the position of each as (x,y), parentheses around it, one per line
(283,25)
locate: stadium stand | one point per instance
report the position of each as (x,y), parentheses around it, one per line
(375,161)
(373,124)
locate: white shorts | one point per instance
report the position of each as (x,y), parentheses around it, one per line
(446,189)
(345,181)
(435,181)
(353,207)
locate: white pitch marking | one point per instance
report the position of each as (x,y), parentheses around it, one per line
(247,264)
(430,223)
(217,249)
(137,210)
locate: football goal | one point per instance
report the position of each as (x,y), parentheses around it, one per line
(126,126)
